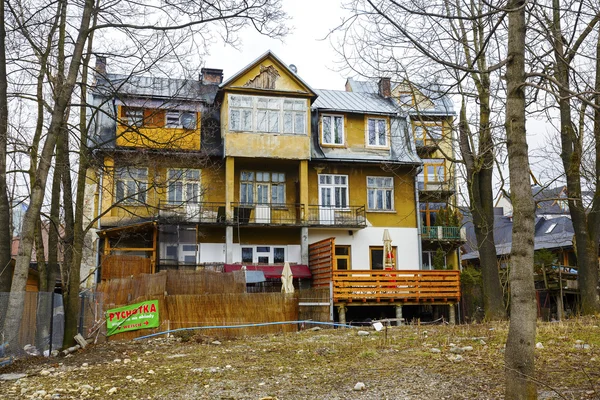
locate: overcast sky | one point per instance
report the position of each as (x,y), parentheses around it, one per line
(305,47)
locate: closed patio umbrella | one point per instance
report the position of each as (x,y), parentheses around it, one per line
(287,279)
(388,255)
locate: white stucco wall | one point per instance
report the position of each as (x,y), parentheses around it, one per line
(215,252)
(406,240)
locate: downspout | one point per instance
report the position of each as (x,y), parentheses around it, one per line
(98,211)
(418,215)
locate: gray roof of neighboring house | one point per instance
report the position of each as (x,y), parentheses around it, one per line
(356,102)
(550,233)
(155,87)
(442,103)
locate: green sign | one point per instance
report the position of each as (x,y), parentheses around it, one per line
(132,317)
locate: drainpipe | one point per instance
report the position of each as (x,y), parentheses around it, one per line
(98,211)
(418,213)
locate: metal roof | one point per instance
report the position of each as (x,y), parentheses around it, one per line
(442,103)
(156,88)
(357,102)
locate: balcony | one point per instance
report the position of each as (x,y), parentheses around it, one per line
(267,214)
(327,216)
(396,286)
(426,146)
(194,212)
(432,190)
(443,233)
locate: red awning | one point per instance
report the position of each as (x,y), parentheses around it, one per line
(273,271)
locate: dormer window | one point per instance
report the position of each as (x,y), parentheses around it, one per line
(377,132)
(332,130)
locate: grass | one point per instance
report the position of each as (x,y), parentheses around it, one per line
(324,364)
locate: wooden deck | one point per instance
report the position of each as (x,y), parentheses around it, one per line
(397,287)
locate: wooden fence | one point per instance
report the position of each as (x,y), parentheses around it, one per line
(120,266)
(403,286)
(172,282)
(320,262)
(186,311)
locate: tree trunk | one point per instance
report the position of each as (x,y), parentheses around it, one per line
(520,344)
(64,92)
(6,269)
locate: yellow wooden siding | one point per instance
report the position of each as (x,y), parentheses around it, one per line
(284,82)
(154,134)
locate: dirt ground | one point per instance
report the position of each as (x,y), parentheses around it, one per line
(407,362)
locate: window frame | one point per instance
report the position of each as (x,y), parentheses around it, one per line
(347,257)
(278,183)
(185,181)
(298,111)
(384,189)
(270,253)
(425,136)
(123,175)
(386,135)
(130,117)
(380,248)
(436,163)
(344,205)
(322,130)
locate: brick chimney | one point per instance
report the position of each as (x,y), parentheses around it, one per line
(211,76)
(100,65)
(385,87)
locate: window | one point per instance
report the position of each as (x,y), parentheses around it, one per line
(551,227)
(429,213)
(342,258)
(434,171)
(183,186)
(133,116)
(332,129)
(263,254)
(267,114)
(333,191)
(380,193)
(262,187)
(378,258)
(131,184)
(429,259)
(427,132)
(376,132)
(180,119)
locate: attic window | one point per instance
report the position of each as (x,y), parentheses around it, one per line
(551,228)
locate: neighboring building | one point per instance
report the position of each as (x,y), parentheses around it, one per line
(258,170)
(430,116)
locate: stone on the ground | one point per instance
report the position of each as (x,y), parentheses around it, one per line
(87,388)
(363,333)
(44,372)
(151,372)
(456,350)
(216,342)
(539,345)
(468,348)
(11,377)
(316,328)
(112,390)
(359,386)
(435,350)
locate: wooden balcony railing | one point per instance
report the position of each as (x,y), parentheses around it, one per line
(397,286)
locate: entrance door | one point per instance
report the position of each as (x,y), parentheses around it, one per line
(262,211)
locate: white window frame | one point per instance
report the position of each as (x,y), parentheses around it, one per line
(270,254)
(277,109)
(334,186)
(377,126)
(188,184)
(178,115)
(275,184)
(134,185)
(374,189)
(332,141)
(133,116)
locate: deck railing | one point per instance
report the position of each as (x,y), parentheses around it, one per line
(441,232)
(396,286)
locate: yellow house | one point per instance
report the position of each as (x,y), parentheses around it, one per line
(258,170)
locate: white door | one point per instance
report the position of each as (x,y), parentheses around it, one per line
(262,211)
(326,206)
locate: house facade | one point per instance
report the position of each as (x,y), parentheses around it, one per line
(256,170)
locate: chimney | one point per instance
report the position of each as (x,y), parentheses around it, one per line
(211,76)
(385,87)
(100,65)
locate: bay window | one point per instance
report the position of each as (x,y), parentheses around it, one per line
(267,114)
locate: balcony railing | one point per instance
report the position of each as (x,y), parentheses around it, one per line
(402,286)
(196,212)
(267,214)
(435,186)
(442,233)
(349,216)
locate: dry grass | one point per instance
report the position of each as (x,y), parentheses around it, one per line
(325,364)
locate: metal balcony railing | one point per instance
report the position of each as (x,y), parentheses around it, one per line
(196,212)
(441,233)
(349,216)
(267,214)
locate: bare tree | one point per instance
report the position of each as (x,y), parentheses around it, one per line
(520,344)
(453,45)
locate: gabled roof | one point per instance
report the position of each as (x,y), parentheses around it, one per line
(356,102)
(264,56)
(443,105)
